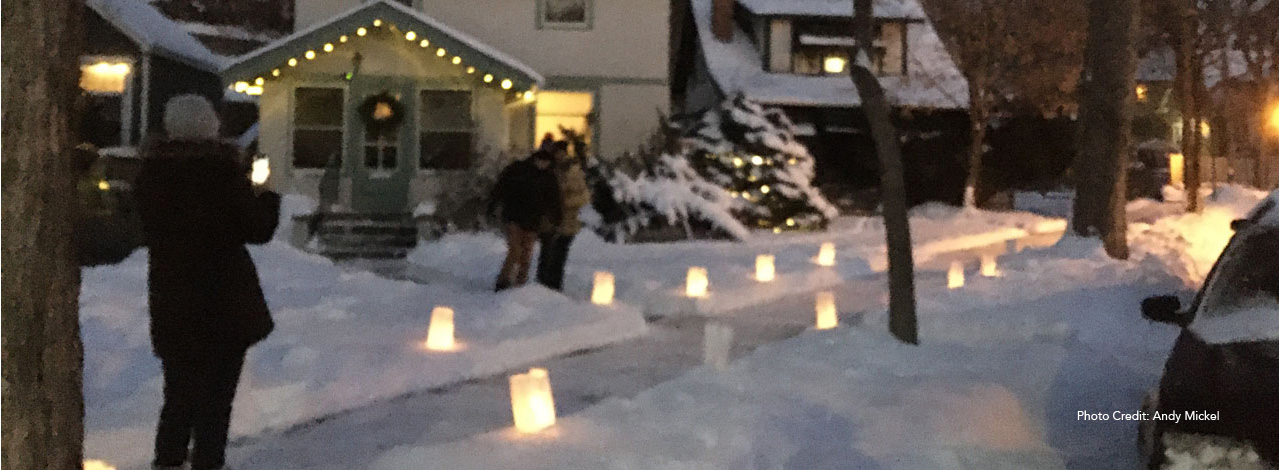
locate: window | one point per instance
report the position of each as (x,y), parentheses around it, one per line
(821,48)
(104,86)
(558,110)
(444,142)
(564,14)
(317,127)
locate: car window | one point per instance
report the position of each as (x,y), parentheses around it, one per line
(1239,301)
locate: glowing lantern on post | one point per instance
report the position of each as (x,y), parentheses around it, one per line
(440,333)
(827,254)
(825,306)
(695,284)
(602,291)
(764,268)
(955,275)
(532,406)
(989,268)
(1175,168)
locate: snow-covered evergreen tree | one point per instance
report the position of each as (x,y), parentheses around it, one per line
(753,154)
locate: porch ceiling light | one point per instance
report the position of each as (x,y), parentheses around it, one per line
(410,36)
(506,84)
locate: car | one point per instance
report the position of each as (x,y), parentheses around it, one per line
(1220,382)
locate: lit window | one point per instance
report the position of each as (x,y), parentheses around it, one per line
(561,110)
(104,77)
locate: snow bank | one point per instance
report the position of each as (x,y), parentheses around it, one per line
(343,338)
(1191,242)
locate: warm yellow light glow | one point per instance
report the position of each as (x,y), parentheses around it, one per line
(695,283)
(533,407)
(409,36)
(377,23)
(827,254)
(94,464)
(104,185)
(253,90)
(765,271)
(361,31)
(293,62)
(456,60)
(506,84)
(1273,117)
(310,55)
(602,289)
(440,332)
(261,171)
(441,52)
(1204,128)
(764,189)
(1141,92)
(825,307)
(791,222)
(424,43)
(104,77)
(833,64)
(275,72)
(488,78)
(955,275)
(989,266)
(737,162)
(328,47)
(1175,168)
(259,81)
(342,38)
(240,87)
(757,160)
(528,95)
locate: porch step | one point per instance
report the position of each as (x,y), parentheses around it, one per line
(344,235)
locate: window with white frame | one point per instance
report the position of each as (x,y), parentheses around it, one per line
(445,130)
(821,48)
(317,126)
(565,14)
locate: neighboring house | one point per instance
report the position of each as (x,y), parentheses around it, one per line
(134,60)
(793,55)
(464,81)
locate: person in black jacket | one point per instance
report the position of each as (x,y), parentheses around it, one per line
(529,196)
(198,210)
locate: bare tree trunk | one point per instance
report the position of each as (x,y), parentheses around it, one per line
(1188,74)
(1106,96)
(42,355)
(977,137)
(893,194)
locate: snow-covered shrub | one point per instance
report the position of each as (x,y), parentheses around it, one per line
(673,194)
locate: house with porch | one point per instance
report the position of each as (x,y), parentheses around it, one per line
(369,106)
(793,55)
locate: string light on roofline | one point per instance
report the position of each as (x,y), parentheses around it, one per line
(377,23)
(328,47)
(342,38)
(409,36)
(456,60)
(441,52)
(424,43)
(361,31)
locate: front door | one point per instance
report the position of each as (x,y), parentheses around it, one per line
(381,163)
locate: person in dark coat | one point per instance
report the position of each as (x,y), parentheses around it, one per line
(198,210)
(529,196)
(555,240)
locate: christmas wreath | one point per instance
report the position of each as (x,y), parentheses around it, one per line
(381,113)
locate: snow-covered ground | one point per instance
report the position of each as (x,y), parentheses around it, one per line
(343,338)
(1004,368)
(652,276)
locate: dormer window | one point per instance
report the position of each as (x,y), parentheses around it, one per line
(564,14)
(820,47)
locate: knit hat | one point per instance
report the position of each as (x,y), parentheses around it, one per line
(190,117)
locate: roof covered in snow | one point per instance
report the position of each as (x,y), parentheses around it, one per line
(278,52)
(881,8)
(155,33)
(933,80)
